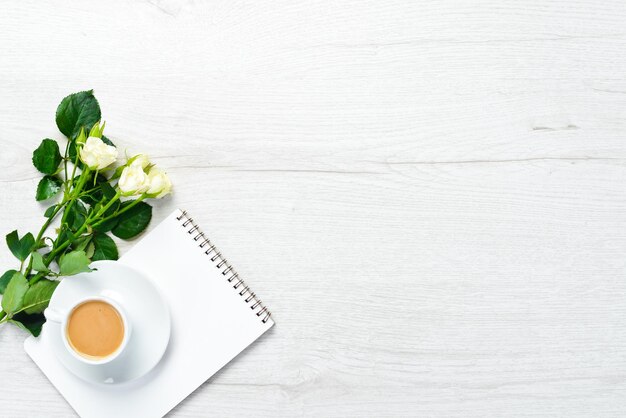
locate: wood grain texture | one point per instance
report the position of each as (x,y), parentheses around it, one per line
(429,195)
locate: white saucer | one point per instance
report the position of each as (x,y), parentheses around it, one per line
(144,306)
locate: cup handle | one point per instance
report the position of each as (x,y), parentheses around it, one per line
(52,315)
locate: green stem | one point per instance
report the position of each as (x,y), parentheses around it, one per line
(74,193)
(63,246)
(67,150)
(71,198)
(128,207)
(75,163)
(42,231)
(108,205)
(39,276)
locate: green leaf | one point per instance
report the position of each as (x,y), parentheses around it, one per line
(13,242)
(27,243)
(5,279)
(107,141)
(47,157)
(38,296)
(108,225)
(91,248)
(81,242)
(20,248)
(30,323)
(97,130)
(94,194)
(76,216)
(38,263)
(81,139)
(118,172)
(107,190)
(48,187)
(76,111)
(105,248)
(134,221)
(73,263)
(14,293)
(48,213)
(92,197)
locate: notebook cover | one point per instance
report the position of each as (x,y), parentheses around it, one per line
(211,323)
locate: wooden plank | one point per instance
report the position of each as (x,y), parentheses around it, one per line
(429,196)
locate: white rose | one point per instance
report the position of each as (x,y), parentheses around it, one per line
(133,181)
(160,184)
(96,154)
(140,160)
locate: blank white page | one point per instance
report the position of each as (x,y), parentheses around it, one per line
(211,324)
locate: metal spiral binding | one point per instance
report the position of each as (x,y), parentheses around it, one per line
(249,297)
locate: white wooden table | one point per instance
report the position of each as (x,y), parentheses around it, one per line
(429,195)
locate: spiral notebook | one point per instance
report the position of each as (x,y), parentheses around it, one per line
(187,267)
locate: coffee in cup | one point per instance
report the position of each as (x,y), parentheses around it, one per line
(95,329)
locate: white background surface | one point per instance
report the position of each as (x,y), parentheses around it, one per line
(429,195)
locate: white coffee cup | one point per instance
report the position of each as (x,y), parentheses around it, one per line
(62,317)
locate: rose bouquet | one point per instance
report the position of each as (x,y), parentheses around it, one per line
(92,195)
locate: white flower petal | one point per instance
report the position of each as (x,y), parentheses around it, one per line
(96,154)
(133,181)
